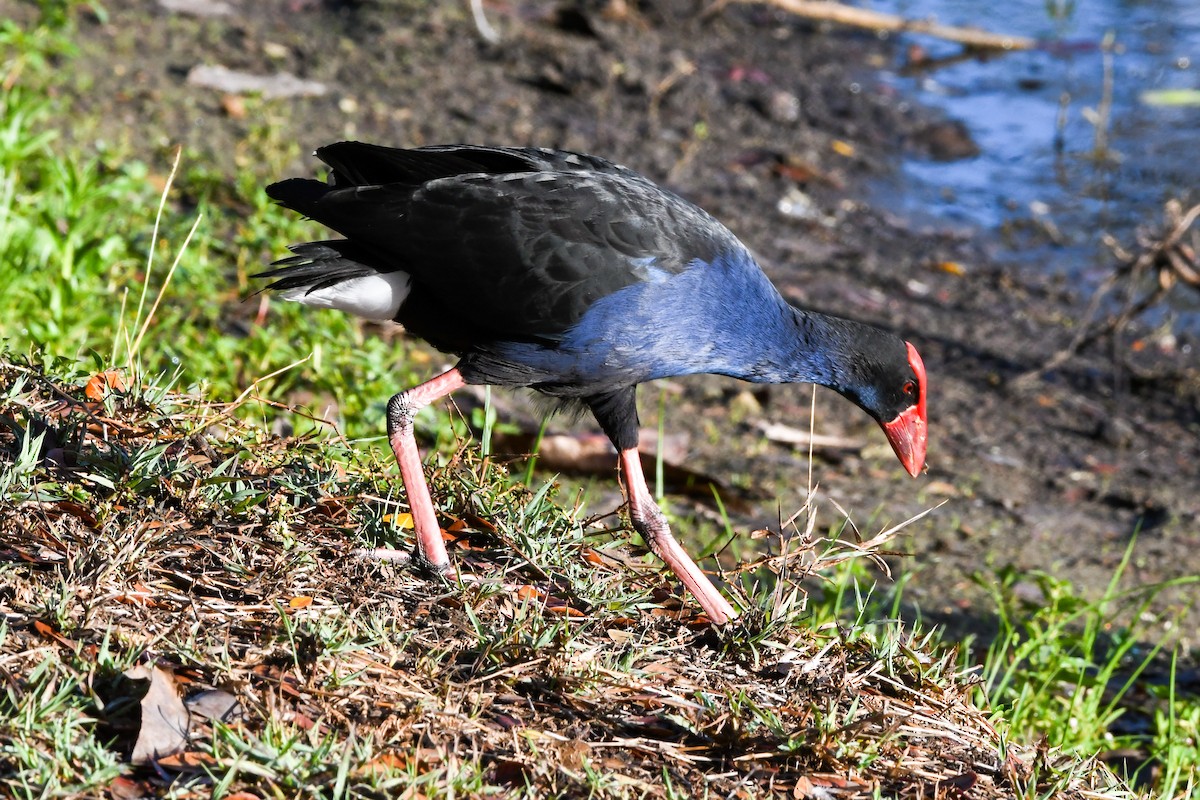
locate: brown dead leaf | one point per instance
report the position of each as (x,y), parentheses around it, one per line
(555,605)
(100,384)
(138,595)
(301,601)
(123,788)
(572,753)
(592,557)
(959,784)
(283,680)
(96,387)
(662,666)
(164,716)
(529,593)
(420,759)
(48,632)
(481,524)
(588,453)
(215,704)
(81,512)
(188,762)
(385,763)
(332,507)
(303,721)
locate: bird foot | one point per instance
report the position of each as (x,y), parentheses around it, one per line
(388,554)
(406,558)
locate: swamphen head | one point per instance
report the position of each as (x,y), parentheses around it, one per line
(889,384)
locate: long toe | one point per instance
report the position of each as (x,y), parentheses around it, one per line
(406,557)
(388,554)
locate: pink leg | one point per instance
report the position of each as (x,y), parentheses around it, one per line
(650,522)
(401,411)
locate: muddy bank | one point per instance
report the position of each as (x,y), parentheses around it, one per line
(773,126)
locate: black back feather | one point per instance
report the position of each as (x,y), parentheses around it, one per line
(507,244)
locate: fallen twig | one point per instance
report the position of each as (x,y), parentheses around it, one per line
(828,11)
(1164,254)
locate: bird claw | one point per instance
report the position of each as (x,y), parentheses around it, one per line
(388,554)
(406,558)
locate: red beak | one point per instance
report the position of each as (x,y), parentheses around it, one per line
(908,432)
(907,435)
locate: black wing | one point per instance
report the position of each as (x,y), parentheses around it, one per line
(362,164)
(520,242)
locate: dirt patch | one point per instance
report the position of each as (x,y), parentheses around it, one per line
(746,112)
(166,533)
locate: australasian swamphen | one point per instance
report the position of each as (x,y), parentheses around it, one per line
(581,279)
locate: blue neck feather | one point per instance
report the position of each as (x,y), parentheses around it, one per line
(723,317)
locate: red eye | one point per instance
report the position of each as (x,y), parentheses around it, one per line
(910,388)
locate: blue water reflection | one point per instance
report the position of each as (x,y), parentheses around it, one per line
(1034,115)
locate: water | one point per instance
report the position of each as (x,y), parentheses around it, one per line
(1048,157)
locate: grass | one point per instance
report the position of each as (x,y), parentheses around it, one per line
(1061,669)
(147,519)
(76,232)
(149,527)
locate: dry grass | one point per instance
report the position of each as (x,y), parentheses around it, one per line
(146,527)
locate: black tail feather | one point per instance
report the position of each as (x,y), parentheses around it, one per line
(318,265)
(298,194)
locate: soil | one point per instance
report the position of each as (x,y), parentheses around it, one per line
(744,111)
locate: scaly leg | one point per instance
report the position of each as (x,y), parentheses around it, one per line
(651,524)
(401,410)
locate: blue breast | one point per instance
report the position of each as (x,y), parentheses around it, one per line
(722,317)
